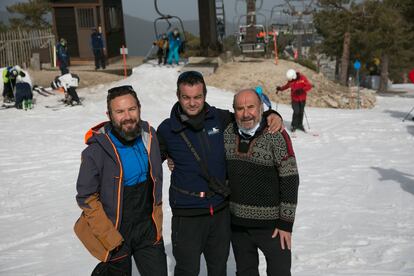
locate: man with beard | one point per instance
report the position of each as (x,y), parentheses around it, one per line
(264,181)
(192,137)
(120,191)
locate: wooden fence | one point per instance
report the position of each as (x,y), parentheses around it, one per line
(16,47)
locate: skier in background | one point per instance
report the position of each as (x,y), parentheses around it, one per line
(299,87)
(68,82)
(24,94)
(174,41)
(9,82)
(162,52)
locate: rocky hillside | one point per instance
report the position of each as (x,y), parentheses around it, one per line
(251,72)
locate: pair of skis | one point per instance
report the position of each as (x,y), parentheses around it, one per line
(42,91)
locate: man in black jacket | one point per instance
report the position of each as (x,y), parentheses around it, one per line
(193,138)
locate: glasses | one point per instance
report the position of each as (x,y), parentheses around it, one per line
(190,74)
(121,88)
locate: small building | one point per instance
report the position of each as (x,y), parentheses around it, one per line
(75,20)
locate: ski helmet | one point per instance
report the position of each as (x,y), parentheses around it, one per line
(17,68)
(291,74)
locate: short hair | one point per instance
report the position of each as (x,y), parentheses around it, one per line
(119,91)
(191,78)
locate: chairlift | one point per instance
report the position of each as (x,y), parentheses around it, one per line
(262,38)
(280,20)
(172,22)
(168,18)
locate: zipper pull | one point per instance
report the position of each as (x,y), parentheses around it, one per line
(211,210)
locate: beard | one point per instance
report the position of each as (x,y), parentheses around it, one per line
(248,130)
(127,134)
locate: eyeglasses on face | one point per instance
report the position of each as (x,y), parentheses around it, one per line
(190,74)
(121,88)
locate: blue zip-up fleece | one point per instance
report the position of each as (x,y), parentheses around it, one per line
(187,174)
(100,189)
(134,159)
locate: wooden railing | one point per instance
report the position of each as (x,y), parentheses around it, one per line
(16,47)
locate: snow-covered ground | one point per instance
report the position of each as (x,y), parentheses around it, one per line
(356,198)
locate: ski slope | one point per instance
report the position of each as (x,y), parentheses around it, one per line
(355,212)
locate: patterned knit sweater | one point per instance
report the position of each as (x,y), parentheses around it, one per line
(264,181)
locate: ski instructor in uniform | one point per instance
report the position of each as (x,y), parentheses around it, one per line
(119,190)
(299,88)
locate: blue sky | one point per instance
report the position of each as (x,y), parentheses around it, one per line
(186,9)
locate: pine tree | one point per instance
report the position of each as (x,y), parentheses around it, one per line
(32,14)
(335,22)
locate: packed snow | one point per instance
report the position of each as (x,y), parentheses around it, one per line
(355,211)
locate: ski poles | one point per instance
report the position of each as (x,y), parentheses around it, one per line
(306,117)
(408,114)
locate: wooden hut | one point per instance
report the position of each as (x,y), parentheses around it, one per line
(75,20)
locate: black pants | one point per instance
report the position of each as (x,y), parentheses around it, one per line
(8,89)
(73,94)
(99,58)
(207,235)
(139,233)
(247,241)
(23,92)
(298,112)
(161,55)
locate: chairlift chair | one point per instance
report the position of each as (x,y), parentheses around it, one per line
(178,23)
(248,47)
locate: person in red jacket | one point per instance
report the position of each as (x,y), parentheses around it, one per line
(299,86)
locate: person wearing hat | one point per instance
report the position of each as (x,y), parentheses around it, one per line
(98,49)
(299,87)
(9,82)
(62,56)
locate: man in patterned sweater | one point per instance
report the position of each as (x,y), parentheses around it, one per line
(264,182)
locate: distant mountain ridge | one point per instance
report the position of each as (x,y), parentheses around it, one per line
(140,33)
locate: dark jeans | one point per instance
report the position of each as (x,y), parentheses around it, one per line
(297,117)
(247,241)
(207,235)
(99,58)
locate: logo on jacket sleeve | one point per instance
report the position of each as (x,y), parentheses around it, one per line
(213,131)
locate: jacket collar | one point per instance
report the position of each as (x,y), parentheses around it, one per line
(176,123)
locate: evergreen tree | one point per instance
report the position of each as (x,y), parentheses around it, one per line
(32,14)
(386,34)
(335,22)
